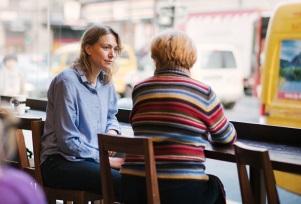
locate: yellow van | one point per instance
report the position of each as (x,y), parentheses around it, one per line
(281,77)
(126,63)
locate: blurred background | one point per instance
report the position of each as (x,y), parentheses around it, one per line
(43,38)
(45,35)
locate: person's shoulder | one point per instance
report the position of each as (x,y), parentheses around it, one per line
(203,86)
(145,82)
(15,182)
(14,174)
(197,87)
(68,74)
(67,78)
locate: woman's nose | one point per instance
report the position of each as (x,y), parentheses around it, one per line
(112,53)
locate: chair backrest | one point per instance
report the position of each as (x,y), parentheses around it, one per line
(256,158)
(130,145)
(55,193)
(21,159)
(37,131)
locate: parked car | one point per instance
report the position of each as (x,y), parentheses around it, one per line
(217,66)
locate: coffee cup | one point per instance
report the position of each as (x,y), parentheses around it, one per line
(19,104)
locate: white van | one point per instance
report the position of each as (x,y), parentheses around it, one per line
(217,66)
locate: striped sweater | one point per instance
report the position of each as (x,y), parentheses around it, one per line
(180,114)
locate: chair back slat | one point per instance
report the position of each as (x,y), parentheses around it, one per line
(130,145)
(25,124)
(21,160)
(134,145)
(21,149)
(37,131)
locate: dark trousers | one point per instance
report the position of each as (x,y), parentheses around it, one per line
(174,191)
(82,175)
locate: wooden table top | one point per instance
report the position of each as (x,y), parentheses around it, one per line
(284,144)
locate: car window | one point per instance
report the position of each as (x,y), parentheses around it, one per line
(217,59)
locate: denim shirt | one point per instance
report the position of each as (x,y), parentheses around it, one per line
(76,112)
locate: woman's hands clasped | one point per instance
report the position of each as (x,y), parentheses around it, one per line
(115,162)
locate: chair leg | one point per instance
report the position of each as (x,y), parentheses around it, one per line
(51,201)
(81,199)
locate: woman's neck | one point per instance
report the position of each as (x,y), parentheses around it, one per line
(93,74)
(174,69)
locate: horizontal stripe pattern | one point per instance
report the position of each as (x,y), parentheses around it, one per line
(181,115)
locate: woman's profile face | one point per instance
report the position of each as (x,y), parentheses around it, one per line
(103,53)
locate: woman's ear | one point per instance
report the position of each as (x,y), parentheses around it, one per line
(88,49)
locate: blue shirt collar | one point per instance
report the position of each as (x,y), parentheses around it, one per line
(84,79)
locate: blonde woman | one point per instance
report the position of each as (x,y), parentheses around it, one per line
(81,103)
(15,186)
(180,113)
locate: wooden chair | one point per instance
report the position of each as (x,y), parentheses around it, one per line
(258,159)
(21,158)
(53,194)
(131,145)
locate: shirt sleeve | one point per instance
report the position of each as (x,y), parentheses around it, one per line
(70,139)
(221,131)
(113,123)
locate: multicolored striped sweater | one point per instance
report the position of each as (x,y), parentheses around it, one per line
(181,114)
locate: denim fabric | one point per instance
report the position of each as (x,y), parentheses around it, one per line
(173,191)
(77,175)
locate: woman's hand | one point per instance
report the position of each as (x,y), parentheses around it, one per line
(116,162)
(112,132)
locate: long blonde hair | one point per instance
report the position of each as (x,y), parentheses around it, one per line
(90,37)
(8,124)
